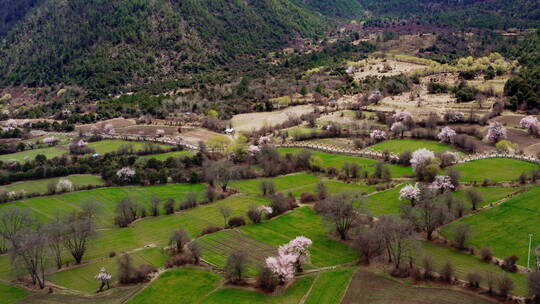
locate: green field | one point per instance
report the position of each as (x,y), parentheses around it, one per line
(464,263)
(23,156)
(387,202)
(401,145)
(292,295)
(337,161)
(164,156)
(505,228)
(81,278)
(102,147)
(179,286)
(40,185)
(494,169)
(107,146)
(330,286)
(298,184)
(10,294)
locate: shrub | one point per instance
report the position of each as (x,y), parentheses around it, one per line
(254,214)
(169,206)
(236,221)
(179,259)
(509,263)
(210,229)
(189,202)
(267,280)
(487,254)
(447,272)
(112,254)
(505,285)
(236,266)
(474,279)
(307,197)
(437,88)
(427,263)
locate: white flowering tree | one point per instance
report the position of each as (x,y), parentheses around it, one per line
(290,258)
(421,158)
(411,193)
(447,135)
(51,140)
(104,278)
(398,128)
(530,123)
(64,185)
(253,150)
(266,209)
(454,116)
(378,135)
(82,143)
(160,132)
(263,140)
(496,132)
(109,129)
(126,174)
(402,116)
(442,183)
(10,124)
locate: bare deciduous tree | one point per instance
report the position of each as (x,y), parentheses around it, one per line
(236,266)
(339,210)
(397,238)
(475,197)
(429,213)
(462,234)
(79,231)
(29,251)
(534,285)
(179,238)
(369,244)
(225,212)
(12,220)
(55,232)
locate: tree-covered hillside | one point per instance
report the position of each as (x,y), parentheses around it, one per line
(101,44)
(460,13)
(12,11)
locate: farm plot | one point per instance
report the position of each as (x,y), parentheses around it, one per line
(330,286)
(505,228)
(337,161)
(165,156)
(387,202)
(401,145)
(81,278)
(292,295)
(217,247)
(255,121)
(31,154)
(10,294)
(40,186)
(108,146)
(197,282)
(107,198)
(494,169)
(274,233)
(368,287)
(464,263)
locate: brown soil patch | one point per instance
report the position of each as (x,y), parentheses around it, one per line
(193,136)
(521,138)
(367,287)
(117,123)
(255,121)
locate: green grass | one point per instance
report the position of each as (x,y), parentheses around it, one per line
(164,156)
(330,286)
(464,263)
(40,185)
(298,184)
(81,278)
(107,146)
(494,169)
(337,161)
(23,156)
(195,285)
(505,228)
(10,294)
(387,202)
(47,207)
(262,240)
(303,221)
(401,145)
(292,295)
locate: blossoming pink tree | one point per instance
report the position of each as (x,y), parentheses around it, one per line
(378,135)
(447,135)
(10,124)
(421,158)
(253,150)
(496,132)
(104,278)
(82,143)
(530,123)
(454,116)
(290,258)
(263,140)
(442,183)
(411,193)
(160,132)
(398,128)
(64,185)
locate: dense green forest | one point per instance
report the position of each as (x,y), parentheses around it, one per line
(12,11)
(494,14)
(108,45)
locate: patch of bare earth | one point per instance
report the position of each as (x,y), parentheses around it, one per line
(368,287)
(194,136)
(255,121)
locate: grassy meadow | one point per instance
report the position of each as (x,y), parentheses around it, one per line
(494,169)
(401,145)
(40,185)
